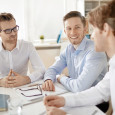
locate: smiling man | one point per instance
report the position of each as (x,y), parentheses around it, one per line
(86,67)
(15,55)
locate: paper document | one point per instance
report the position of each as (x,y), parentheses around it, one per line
(34,92)
(30,93)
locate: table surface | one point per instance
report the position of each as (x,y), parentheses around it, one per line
(38,108)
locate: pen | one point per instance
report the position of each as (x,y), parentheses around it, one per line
(94,112)
(32,85)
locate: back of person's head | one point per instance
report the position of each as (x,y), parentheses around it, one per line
(73,14)
(103,14)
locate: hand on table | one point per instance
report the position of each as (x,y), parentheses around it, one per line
(18,80)
(48,86)
(14,81)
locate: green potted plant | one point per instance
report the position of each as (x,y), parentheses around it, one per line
(42,38)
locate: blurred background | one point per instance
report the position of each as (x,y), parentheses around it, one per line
(45,18)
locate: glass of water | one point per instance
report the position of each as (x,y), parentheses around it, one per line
(15,106)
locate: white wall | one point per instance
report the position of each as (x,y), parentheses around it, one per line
(44,17)
(71,5)
(37,17)
(16,7)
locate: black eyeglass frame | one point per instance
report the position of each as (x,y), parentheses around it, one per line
(38,87)
(10,30)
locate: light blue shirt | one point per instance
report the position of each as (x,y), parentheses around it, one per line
(86,67)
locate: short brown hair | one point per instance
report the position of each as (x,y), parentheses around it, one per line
(103,14)
(75,14)
(6,17)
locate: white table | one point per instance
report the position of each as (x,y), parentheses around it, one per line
(38,107)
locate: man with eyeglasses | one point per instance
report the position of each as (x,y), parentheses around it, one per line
(15,55)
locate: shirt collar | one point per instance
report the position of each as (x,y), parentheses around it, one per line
(76,46)
(1,47)
(82,44)
(112,60)
(17,45)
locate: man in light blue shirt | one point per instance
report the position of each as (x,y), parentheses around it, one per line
(86,67)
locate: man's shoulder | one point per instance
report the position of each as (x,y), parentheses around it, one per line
(89,41)
(89,44)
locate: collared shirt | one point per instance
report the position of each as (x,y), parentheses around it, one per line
(93,96)
(86,67)
(112,82)
(96,95)
(18,59)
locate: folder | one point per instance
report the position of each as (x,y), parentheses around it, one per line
(3,102)
(59,36)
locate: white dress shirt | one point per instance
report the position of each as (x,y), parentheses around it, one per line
(95,95)
(112,82)
(18,59)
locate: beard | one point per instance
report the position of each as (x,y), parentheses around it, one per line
(12,39)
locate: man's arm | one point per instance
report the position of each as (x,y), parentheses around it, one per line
(50,75)
(37,65)
(94,65)
(56,68)
(93,96)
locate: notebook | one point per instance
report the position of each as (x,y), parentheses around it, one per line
(3,102)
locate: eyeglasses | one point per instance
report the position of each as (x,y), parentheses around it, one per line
(8,31)
(38,87)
